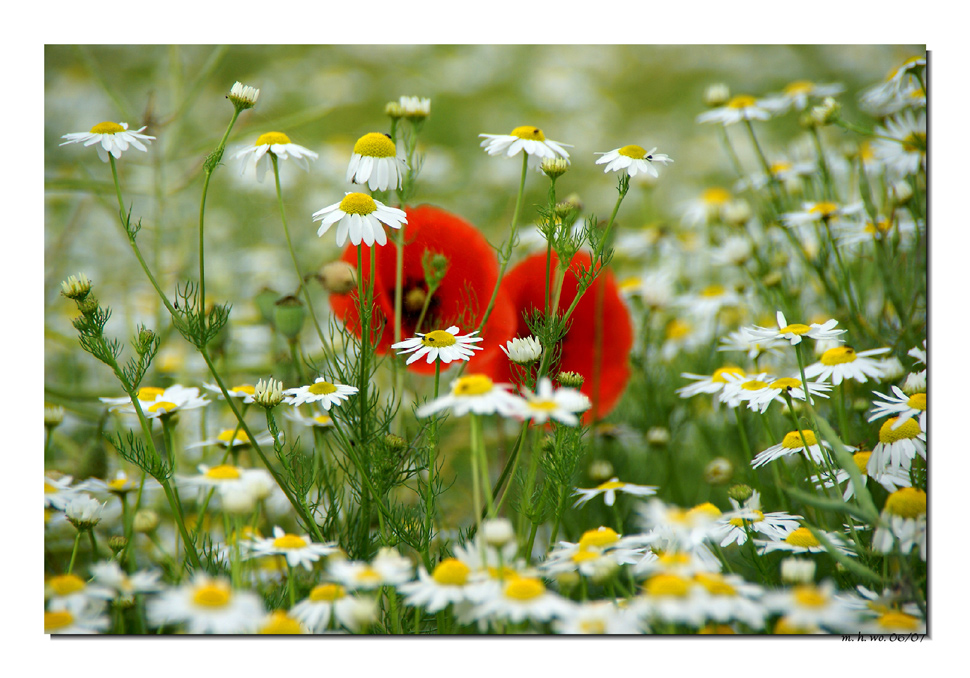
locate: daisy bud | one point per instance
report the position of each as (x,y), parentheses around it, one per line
(600,470)
(393,110)
(523,351)
(84,512)
(658,435)
(145,521)
(570,379)
(900,193)
(415,108)
(144,340)
(915,383)
(717,94)
(268,394)
(77,287)
(554,167)
(290,315)
(53,415)
(571,205)
(264,301)
(740,493)
(88,304)
(498,532)
(798,571)
(827,112)
(117,544)
(338,277)
(718,471)
(892,369)
(243,96)
(395,443)
(773,279)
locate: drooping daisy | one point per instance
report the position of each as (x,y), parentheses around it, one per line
(760,399)
(389,568)
(560,404)
(110,137)
(803,541)
(523,351)
(796,95)
(633,159)
(794,332)
(75,623)
(711,384)
(906,156)
(329,607)
(897,447)
(902,522)
(735,525)
(207,605)
(609,490)
(478,394)
(843,362)
(444,345)
(795,442)
(530,140)
(299,551)
(598,618)
(902,405)
(377,163)
(740,107)
(361,218)
(320,391)
(277,144)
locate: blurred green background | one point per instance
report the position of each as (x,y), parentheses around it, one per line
(324,97)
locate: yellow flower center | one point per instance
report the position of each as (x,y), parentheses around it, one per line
(375,145)
(705,510)
(802,537)
(753,385)
(794,439)
(289,541)
(809,596)
(715,196)
(677,329)
(55,621)
(327,593)
(212,595)
(898,621)
(917,401)
(280,624)
(825,209)
(501,573)
(779,167)
(715,584)
(915,142)
(598,538)
(163,405)
(248,389)
(473,385)
(223,472)
(611,485)
(712,291)
(674,558)
(322,419)
(906,64)
(66,584)
(524,588)
(451,572)
(107,128)
(357,203)
(527,132)
(757,518)
(322,388)
(838,356)
(907,502)
(667,585)
(227,435)
(543,405)
(149,392)
(438,338)
(118,484)
(272,138)
(907,430)
(799,87)
(742,101)
(785,383)
(716,630)
(633,151)
(596,627)
(861,460)
(582,556)
(50,489)
(719,378)
(874,229)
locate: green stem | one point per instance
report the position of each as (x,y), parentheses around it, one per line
(205,190)
(77,542)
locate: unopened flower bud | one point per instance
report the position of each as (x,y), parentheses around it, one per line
(338,277)
(797,571)
(393,110)
(268,394)
(600,470)
(554,167)
(571,205)
(498,532)
(900,193)
(523,351)
(658,435)
(414,108)
(395,443)
(76,287)
(915,383)
(570,379)
(290,315)
(243,96)
(117,543)
(145,521)
(740,493)
(88,304)
(53,415)
(827,112)
(718,471)
(773,279)
(414,299)
(717,94)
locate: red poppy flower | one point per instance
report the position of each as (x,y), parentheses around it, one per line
(600,336)
(460,300)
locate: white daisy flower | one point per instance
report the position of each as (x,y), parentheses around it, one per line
(377,163)
(121,484)
(708,207)
(891,478)
(735,525)
(245,391)
(709,301)
(802,540)
(146,396)
(811,606)
(221,477)
(58,492)
(230,437)
(444,345)
(793,443)
(478,394)
(843,362)
(175,398)
(902,522)
(207,605)
(740,107)
(320,391)
(679,533)
(666,557)
(902,405)
(415,107)
(789,174)
(298,551)
(796,95)
(864,232)
(329,607)
(880,99)
(243,96)
(633,159)
(448,584)
(723,598)
(111,137)
(709,384)
(598,618)
(280,623)
(897,447)
(70,592)
(319,420)
(84,512)
(894,622)
(109,574)
(275,143)
(822,212)
(737,390)
(794,332)
(561,404)
(389,568)
(759,399)
(918,353)
(597,554)
(906,156)
(75,623)
(671,598)
(359,217)
(609,490)
(523,351)
(530,140)
(522,598)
